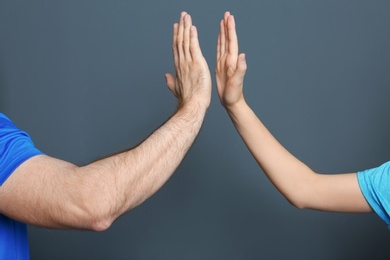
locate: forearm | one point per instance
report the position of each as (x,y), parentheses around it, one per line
(131,177)
(301,186)
(289,175)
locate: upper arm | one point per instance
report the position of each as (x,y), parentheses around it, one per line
(336,192)
(38,191)
(35,188)
(49,192)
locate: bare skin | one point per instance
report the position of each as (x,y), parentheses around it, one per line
(49,192)
(300,185)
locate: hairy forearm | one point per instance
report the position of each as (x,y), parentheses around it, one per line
(133,176)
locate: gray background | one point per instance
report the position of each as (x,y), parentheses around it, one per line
(86,79)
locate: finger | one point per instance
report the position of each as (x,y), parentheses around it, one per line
(179,37)
(195,50)
(232,36)
(174,45)
(170,80)
(186,37)
(225,22)
(226,15)
(222,38)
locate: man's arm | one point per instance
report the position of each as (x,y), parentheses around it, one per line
(49,192)
(297,182)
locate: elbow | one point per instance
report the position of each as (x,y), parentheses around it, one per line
(83,217)
(97,205)
(100,224)
(304,192)
(300,197)
(96,219)
(92,213)
(299,204)
(99,215)
(86,204)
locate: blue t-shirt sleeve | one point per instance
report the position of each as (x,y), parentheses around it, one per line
(16,147)
(375,186)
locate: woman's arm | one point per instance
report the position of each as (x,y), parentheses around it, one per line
(296,181)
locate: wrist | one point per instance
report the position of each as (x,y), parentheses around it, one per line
(236,106)
(193,108)
(196,105)
(238,111)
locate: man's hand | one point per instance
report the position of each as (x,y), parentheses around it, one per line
(193,81)
(231,67)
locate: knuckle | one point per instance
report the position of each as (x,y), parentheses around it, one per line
(230,71)
(230,66)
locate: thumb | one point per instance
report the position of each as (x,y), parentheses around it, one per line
(241,66)
(170,79)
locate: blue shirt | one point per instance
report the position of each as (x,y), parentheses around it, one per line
(15,148)
(375,186)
